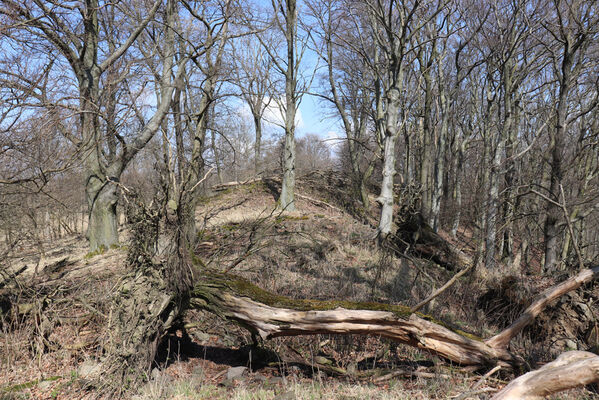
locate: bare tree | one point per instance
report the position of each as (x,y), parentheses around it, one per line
(285,21)
(572,27)
(253,76)
(348,80)
(76,35)
(393,26)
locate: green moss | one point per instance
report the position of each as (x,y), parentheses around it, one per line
(91,254)
(197,261)
(27,385)
(242,287)
(283,218)
(203,200)
(254,187)
(231,227)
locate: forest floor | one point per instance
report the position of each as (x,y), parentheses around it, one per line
(50,342)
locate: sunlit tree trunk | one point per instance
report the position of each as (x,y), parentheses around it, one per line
(287,197)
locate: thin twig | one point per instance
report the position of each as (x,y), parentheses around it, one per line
(485,377)
(201,180)
(442,288)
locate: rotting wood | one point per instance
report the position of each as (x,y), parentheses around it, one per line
(569,370)
(270,316)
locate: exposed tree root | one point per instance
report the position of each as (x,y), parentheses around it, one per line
(503,339)
(143,310)
(146,303)
(414,235)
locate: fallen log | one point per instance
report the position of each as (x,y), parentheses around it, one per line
(569,370)
(228,185)
(270,315)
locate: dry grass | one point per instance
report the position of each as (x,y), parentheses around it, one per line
(316,252)
(295,389)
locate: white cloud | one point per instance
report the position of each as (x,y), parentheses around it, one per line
(274,114)
(333,139)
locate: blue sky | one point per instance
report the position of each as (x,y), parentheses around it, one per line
(315,116)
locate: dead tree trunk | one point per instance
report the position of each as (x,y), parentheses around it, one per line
(270,315)
(154,295)
(569,370)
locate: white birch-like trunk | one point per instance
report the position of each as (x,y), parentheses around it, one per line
(386,197)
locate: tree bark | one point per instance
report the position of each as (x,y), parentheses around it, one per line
(270,315)
(574,45)
(391,132)
(258,142)
(286,199)
(102,198)
(147,302)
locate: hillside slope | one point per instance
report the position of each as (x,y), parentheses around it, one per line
(325,250)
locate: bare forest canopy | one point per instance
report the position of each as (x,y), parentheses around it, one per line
(485,115)
(467,134)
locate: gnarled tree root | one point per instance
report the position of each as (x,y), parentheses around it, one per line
(502,340)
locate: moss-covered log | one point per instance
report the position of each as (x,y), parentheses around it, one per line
(270,315)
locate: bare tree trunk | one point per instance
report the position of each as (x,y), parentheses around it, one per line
(257,144)
(490,189)
(102,229)
(287,198)
(391,131)
(574,45)
(511,128)
(439,171)
(458,157)
(427,145)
